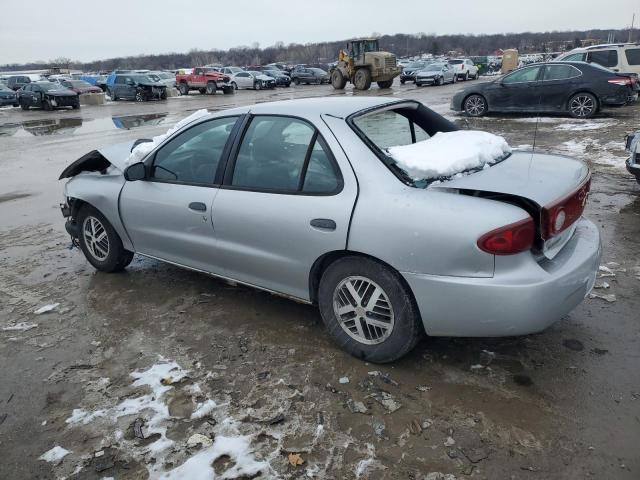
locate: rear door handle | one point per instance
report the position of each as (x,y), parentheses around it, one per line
(323,223)
(198,206)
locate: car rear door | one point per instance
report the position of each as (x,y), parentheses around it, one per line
(558,83)
(287,200)
(168,215)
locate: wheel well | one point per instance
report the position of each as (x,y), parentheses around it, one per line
(76,204)
(322,263)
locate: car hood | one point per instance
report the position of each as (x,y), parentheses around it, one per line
(100,159)
(540,178)
(61,93)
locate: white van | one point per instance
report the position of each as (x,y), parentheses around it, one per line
(621,57)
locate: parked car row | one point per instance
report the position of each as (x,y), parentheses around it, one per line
(439,72)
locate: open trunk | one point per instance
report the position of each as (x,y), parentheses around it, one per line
(552,189)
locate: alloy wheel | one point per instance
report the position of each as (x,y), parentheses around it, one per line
(363,310)
(582,106)
(95,238)
(475,105)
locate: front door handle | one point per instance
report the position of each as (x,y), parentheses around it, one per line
(198,206)
(323,223)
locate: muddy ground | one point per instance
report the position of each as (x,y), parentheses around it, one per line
(261,371)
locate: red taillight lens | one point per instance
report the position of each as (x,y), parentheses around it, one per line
(621,81)
(510,239)
(561,214)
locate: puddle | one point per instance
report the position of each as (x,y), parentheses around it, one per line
(77,125)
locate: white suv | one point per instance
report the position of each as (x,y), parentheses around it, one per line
(464,68)
(622,57)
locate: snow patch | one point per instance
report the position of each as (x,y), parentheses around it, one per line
(579,127)
(22,327)
(143,149)
(203,409)
(449,153)
(55,454)
(46,308)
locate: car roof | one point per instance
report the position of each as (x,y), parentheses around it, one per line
(338,106)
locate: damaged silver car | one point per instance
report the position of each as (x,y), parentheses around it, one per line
(301,198)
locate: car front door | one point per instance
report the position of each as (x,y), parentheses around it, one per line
(558,82)
(168,215)
(287,199)
(518,91)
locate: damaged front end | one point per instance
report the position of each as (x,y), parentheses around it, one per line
(632,145)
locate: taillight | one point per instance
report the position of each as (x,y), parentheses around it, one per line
(561,214)
(624,81)
(508,240)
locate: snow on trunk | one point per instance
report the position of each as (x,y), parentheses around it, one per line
(141,150)
(448,153)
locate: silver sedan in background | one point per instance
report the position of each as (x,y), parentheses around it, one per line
(302,199)
(436,74)
(252,79)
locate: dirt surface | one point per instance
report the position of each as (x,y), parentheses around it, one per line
(96,375)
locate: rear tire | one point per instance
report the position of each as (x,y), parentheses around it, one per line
(583,105)
(381,331)
(211,88)
(47,105)
(296,81)
(338,80)
(183,89)
(23,105)
(362,79)
(99,241)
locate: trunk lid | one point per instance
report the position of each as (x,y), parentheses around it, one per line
(539,178)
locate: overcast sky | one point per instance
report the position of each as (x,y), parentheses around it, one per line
(89,30)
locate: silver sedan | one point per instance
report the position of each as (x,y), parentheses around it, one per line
(302,199)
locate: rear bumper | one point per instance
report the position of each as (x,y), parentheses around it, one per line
(524,297)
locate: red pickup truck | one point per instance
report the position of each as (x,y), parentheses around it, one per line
(206,80)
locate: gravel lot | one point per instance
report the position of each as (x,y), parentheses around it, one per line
(258,368)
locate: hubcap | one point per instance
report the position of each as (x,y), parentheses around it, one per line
(95,238)
(475,106)
(582,106)
(363,310)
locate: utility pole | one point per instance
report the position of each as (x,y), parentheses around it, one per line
(633,19)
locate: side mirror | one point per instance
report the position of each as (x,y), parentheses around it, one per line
(135,172)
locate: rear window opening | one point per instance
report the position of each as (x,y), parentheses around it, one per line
(387,130)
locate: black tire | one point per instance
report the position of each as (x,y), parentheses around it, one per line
(638,179)
(163,95)
(402,82)
(76,106)
(117,258)
(455,79)
(140,97)
(113,96)
(407,327)
(582,105)
(440,81)
(385,84)
(47,105)
(234,85)
(211,88)
(296,81)
(362,79)
(466,76)
(183,88)
(475,105)
(338,80)
(23,105)
(228,90)
(257,85)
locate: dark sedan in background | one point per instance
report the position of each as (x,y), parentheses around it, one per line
(79,86)
(7,97)
(281,79)
(409,72)
(47,95)
(577,88)
(309,75)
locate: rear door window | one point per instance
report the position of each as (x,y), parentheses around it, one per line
(284,155)
(606,58)
(633,56)
(389,129)
(560,72)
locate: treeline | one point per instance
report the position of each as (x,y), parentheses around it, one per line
(326,52)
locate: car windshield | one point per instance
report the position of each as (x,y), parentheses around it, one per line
(455,62)
(318,70)
(165,75)
(434,67)
(154,77)
(254,72)
(50,86)
(79,83)
(416,65)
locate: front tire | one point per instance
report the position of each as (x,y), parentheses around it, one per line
(296,81)
(385,84)
(211,88)
(100,243)
(184,89)
(23,105)
(583,105)
(338,80)
(368,310)
(140,97)
(475,105)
